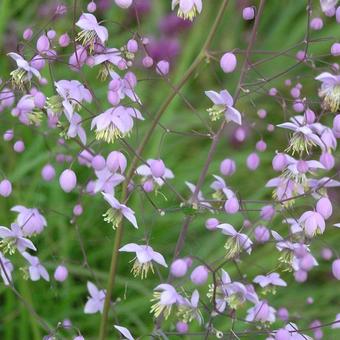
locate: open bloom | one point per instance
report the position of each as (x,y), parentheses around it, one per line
(313,223)
(327,5)
(237,242)
(261,312)
(188,310)
(166,296)
(107,58)
(201,199)
(223,104)
(91,30)
(124,87)
(95,302)
(269,281)
(75,129)
(114,123)
(117,210)
(330,90)
(13,239)
(24,73)
(6,269)
(187,9)
(304,136)
(143,260)
(35,269)
(30,220)
(107,180)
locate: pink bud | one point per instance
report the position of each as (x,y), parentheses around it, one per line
(147,62)
(113,98)
(326,253)
(336,269)
(336,125)
(279,162)
(163,67)
(157,168)
(116,161)
(261,146)
(295,92)
(61,273)
(8,135)
(68,180)
(51,34)
(227,167)
(228,62)
(301,55)
(262,113)
(282,314)
(38,62)
(212,223)
(123,3)
(132,46)
(248,13)
(307,262)
(253,161)
(300,276)
(48,172)
(91,7)
(64,40)
(179,268)
(199,275)
(324,207)
(98,162)
(273,92)
(5,188)
(43,44)
(327,160)
(267,212)
(232,205)
(298,106)
(335,49)
(28,34)
(19,146)
(77,210)
(148,185)
(39,100)
(316,24)
(309,116)
(182,327)
(261,234)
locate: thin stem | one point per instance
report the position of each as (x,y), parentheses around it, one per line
(119,231)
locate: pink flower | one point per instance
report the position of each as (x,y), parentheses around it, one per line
(91,30)
(36,269)
(124,87)
(312,223)
(95,302)
(117,210)
(144,257)
(223,104)
(6,269)
(188,9)
(272,279)
(261,312)
(107,180)
(114,123)
(75,129)
(107,58)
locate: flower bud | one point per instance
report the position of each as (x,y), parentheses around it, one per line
(179,268)
(116,161)
(98,162)
(8,135)
(39,100)
(227,167)
(91,6)
(61,273)
(337,15)
(336,125)
(212,223)
(28,34)
(253,161)
(335,49)
(232,205)
(248,13)
(38,62)
(132,46)
(5,188)
(157,168)
(316,24)
(282,314)
(307,262)
(267,212)
(51,34)
(48,172)
(309,116)
(261,234)
(200,275)
(147,62)
(324,207)
(295,92)
(336,269)
(300,276)
(43,44)
(148,185)
(262,113)
(68,180)
(279,162)
(182,327)
(326,253)
(64,40)
(228,62)
(19,146)
(123,3)
(261,146)
(327,160)
(163,67)
(78,210)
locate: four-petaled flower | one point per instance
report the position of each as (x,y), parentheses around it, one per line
(144,257)
(95,302)
(269,281)
(187,9)
(35,269)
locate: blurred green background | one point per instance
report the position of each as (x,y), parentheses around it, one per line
(282,25)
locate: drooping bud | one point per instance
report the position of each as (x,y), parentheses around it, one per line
(200,275)
(68,180)
(228,62)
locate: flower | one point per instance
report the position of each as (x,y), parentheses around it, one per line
(117,210)
(30,220)
(166,298)
(188,309)
(312,223)
(304,137)
(187,9)
(95,302)
(223,104)
(145,170)
(24,73)
(202,201)
(91,30)
(124,87)
(35,269)
(6,269)
(327,5)
(336,323)
(107,58)
(13,239)
(114,123)
(75,129)
(124,331)
(143,260)
(107,180)
(261,312)
(237,242)
(269,281)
